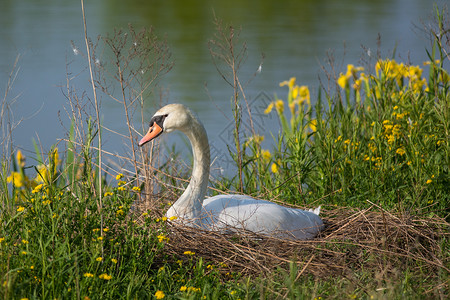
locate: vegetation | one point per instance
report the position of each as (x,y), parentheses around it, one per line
(374,153)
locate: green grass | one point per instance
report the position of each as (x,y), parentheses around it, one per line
(382,137)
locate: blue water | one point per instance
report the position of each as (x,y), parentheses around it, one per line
(295,37)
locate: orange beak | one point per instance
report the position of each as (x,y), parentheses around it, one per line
(152,133)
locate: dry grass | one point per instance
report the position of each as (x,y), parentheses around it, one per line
(373,240)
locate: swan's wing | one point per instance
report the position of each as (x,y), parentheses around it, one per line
(259,216)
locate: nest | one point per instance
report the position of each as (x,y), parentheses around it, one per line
(373,239)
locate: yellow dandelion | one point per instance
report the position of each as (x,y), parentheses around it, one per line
(88,275)
(20,209)
(119,176)
(183,288)
(136,189)
(189,253)
(429,181)
(173,218)
(159,294)
(114,260)
(99,259)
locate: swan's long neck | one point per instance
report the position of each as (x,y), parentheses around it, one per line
(189,205)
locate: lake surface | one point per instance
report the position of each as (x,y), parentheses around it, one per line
(294,36)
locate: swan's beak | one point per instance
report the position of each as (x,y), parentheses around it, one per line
(152,133)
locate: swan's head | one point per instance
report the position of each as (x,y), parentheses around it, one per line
(169,118)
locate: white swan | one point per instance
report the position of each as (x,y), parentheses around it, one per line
(225,212)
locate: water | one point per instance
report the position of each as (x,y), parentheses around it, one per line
(294,37)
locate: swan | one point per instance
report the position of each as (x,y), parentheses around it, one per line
(225,212)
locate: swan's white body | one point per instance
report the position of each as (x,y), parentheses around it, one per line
(225,212)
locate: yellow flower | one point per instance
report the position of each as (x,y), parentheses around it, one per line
(2,239)
(99,259)
(88,275)
(25,242)
(183,288)
(114,260)
(16,179)
(188,253)
(38,188)
(400,151)
(108,194)
(313,125)
(20,209)
(269,108)
(289,83)
(105,276)
(20,159)
(162,238)
(120,212)
(100,238)
(136,188)
(159,295)
(121,188)
(274,168)
(121,182)
(429,181)
(119,176)
(266,155)
(173,218)
(279,105)
(343,80)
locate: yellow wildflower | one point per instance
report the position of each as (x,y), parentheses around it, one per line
(108,194)
(159,294)
(105,276)
(20,209)
(20,159)
(274,168)
(99,259)
(173,218)
(266,155)
(114,260)
(119,176)
(313,125)
(400,151)
(343,80)
(188,253)
(429,181)
(136,189)
(289,83)
(183,288)
(269,108)
(16,179)
(279,105)
(88,275)
(162,238)
(38,188)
